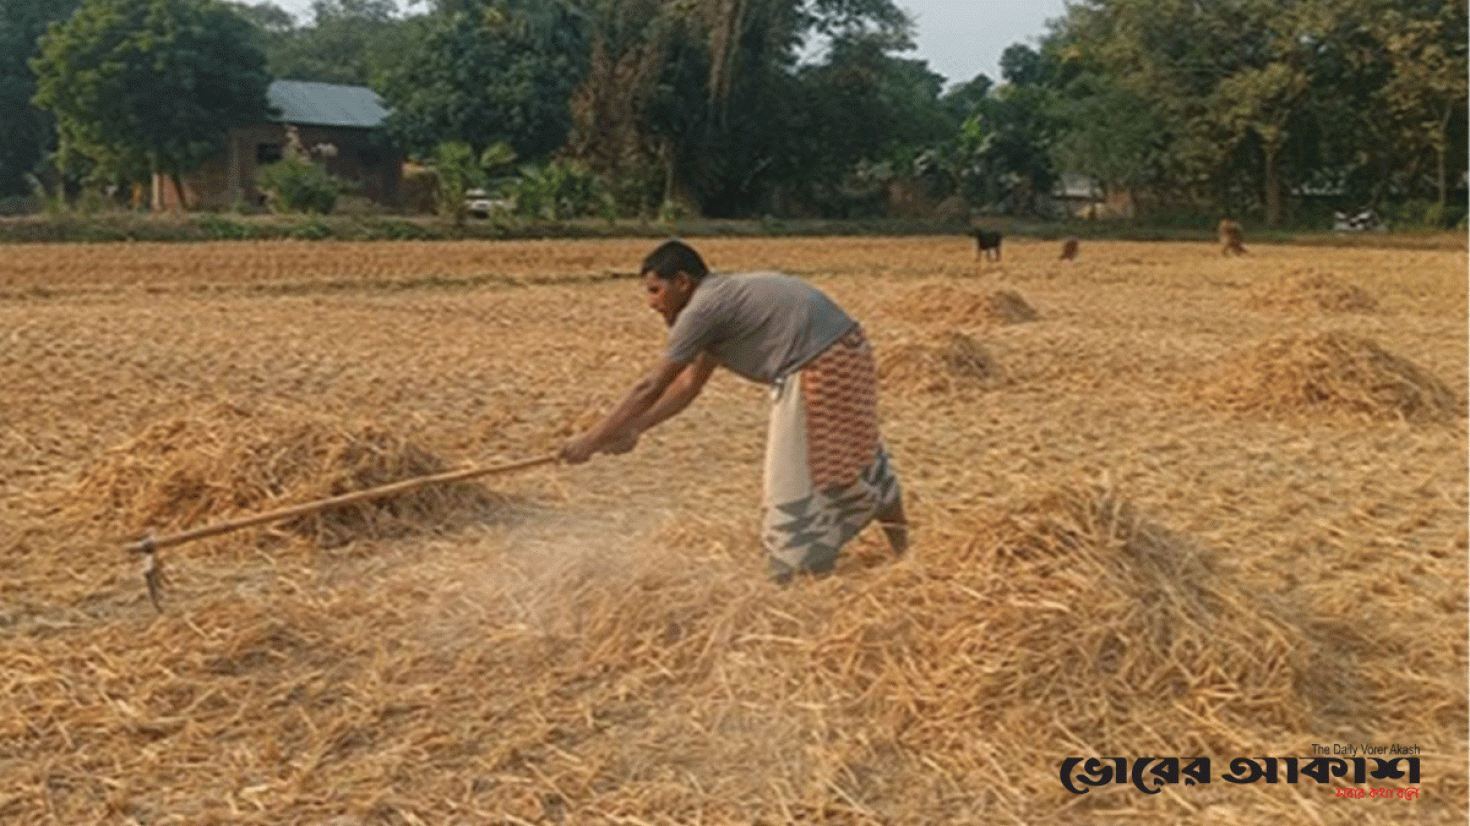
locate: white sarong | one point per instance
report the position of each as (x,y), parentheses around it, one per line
(827,473)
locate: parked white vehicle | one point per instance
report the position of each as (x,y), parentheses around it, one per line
(1364,221)
(480,204)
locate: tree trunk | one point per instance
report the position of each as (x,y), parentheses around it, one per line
(1444,196)
(1441,148)
(1273,187)
(669,181)
(162,182)
(178,180)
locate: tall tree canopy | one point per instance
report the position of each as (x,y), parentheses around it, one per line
(706,100)
(149,86)
(718,106)
(1254,98)
(1006,139)
(26,132)
(1423,45)
(483,72)
(345,41)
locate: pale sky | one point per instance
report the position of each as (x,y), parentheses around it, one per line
(963,38)
(959,38)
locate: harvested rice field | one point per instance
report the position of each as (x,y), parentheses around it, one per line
(1165,504)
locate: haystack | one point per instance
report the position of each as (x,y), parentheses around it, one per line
(1334,372)
(1008,307)
(1065,625)
(230,459)
(949,362)
(1314,289)
(945,301)
(1126,632)
(1068,624)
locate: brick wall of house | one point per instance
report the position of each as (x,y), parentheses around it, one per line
(227,180)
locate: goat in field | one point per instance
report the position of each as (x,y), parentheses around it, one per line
(1069,249)
(987,244)
(1231,238)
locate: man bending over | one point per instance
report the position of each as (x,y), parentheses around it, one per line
(827,473)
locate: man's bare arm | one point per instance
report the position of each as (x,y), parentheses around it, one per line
(644,394)
(683,390)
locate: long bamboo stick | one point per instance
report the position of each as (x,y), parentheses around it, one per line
(151,544)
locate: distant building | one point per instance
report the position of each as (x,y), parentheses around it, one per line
(344,117)
(1084,197)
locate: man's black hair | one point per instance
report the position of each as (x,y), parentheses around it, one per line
(672,258)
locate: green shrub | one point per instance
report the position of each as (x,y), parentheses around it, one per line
(1424,214)
(458,173)
(312,229)
(19,205)
(636,192)
(296,183)
(559,190)
(670,212)
(217,228)
(299,185)
(396,229)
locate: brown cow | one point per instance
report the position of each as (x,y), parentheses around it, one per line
(987,243)
(1069,249)
(1231,238)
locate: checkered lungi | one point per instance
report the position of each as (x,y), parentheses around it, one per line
(827,472)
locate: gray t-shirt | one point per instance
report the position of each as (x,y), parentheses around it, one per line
(761,325)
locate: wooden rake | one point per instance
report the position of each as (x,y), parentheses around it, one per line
(153,574)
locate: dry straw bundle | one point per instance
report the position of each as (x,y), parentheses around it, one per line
(1008,307)
(931,301)
(952,362)
(1126,632)
(942,689)
(1333,372)
(1068,625)
(1314,289)
(230,459)
(1071,625)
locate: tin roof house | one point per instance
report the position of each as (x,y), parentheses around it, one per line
(345,118)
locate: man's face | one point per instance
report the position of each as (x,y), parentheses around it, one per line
(667,296)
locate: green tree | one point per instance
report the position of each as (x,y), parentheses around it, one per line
(965,98)
(1004,145)
(1255,99)
(1425,93)
(149,86)
(26,132)
(1106,134)
(706,94)
(346,41)
(1229,79)
(270,20)
(485,71)
(558,190)
(456,172)
(870,112)
(1021,65)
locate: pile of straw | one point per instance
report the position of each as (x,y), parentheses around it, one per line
(1128,633)
(1067,624)
(1332,372)
(1314,289)
(610,686)
(953,361)
(929,301)
(1008,307)
(230,459)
